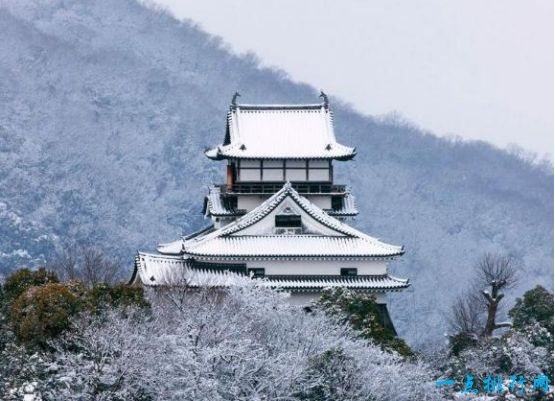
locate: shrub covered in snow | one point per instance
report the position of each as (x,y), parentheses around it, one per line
(524,350)
(244,343)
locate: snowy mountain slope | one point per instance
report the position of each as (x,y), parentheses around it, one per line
(106,107)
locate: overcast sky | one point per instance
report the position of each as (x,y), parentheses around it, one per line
(480,69)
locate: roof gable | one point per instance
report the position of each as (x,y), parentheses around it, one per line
(288,205)
(256,223)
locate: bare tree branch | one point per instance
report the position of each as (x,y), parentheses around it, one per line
(87,264)
(476,310)
(498,268)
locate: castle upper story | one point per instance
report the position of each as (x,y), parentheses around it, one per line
(268,145)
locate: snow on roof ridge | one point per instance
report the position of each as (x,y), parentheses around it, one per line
(271,203)
(266,131)
(279,105)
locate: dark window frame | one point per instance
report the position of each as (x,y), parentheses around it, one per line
(337,202)
(349,271)
(288,221)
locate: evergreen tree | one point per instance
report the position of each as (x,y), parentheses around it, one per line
(535,306)
(365,316)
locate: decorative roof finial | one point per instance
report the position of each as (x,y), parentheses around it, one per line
(234,99)
(325,97)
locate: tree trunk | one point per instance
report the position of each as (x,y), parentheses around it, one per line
(493,302)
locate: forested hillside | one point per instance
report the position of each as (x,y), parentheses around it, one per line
(106,108)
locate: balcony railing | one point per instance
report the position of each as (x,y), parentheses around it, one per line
(270,188)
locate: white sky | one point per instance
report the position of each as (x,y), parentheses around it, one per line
(480,69)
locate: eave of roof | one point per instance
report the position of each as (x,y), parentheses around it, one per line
(290,246)
(229,153)
(214,206)
(203,247)
(299,106)
(162,270)
(306,282)
(243,142)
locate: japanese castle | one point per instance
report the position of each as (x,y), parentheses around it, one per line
(279,217)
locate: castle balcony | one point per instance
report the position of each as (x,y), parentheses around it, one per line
(307,188)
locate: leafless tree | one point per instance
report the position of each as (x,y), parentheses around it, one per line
(475,311)
(87,264)
(66,265)
(467,314)
(98,268)
(499,273)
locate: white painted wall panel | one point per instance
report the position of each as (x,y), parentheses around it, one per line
(250,163)
(319,267)
(248,175)
(318,175)
(272,175)
(295,175)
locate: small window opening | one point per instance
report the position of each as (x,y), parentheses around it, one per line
(337,202)
(349,271)
(288,220)
(256,272)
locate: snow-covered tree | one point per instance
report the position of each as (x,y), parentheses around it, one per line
(244,343)
(524,350)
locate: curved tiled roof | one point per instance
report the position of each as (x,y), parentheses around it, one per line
(176,247)
(376,282)
(280,132)
(349,207)
(306,246)
(163,270)
(353,242)
(214,205)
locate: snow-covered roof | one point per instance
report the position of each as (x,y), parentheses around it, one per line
(307,282)
(167,270)
(280,132)
(171,248)
(164,270)
(176,247)
(215,205)
(349,207)
(339,239)
(306,246)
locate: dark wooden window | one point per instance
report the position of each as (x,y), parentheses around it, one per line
(337,202)
(349,271)
(231,202)
(288,220)
(257,272)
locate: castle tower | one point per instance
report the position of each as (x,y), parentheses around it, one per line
(279,215)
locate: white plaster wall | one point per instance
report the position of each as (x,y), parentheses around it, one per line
(272,174)
(319,267)
(295,174)
(249,202)
(322,201)
(248,175)
(318,175)
(220,222)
